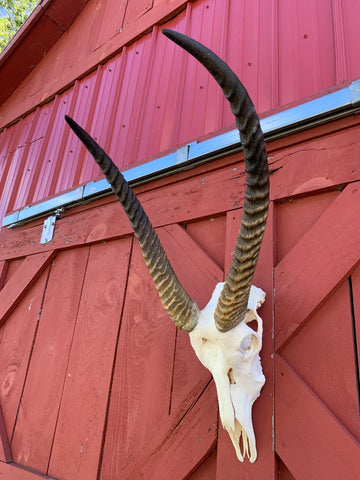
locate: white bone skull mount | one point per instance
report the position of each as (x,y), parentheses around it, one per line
(234,361)
(220,334)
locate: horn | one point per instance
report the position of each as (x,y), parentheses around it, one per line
(233,301)
(181,308)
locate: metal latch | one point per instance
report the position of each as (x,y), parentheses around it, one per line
(49,226)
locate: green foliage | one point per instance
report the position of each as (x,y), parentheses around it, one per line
(13,13)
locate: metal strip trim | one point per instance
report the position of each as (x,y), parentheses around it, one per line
(346,100)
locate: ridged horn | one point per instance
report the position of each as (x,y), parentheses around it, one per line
(232,305)
(181,308)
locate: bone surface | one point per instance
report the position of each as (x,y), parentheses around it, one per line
(234,361)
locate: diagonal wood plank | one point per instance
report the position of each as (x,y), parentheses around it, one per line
(9,471)
(22,280)
(201,274)
(4,265)
(5,452)
(317,264)
(309,439)
(177,448)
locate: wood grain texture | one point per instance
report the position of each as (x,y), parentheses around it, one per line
(179,446)
(198,273)
(355,279)
(40,403)
(14,472)
(207,191)
(309,439)
(4,265)
(209,233)
(315,164)
(331,249)
(227,463)
(5,452)
(80,427)
(207,470)
(199,196)
(15,350)
(289,228)
(322,354)
(21,282)
(140,394)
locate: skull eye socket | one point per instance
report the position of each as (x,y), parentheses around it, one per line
(249,343)
(253,324)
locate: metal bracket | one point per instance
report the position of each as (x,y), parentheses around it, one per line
(49,226)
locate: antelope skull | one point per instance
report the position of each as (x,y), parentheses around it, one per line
(220,333)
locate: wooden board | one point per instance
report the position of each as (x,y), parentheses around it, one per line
(20,283)
(309,439)
(227,463)
(4,265)
(18,335)
(355,284)
(334,236)
(322,354)
(42,395)
(140,394)
(180,445)
(82,414)
(13,472)
(314,164)
(5,452)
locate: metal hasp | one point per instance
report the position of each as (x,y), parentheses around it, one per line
(49,226)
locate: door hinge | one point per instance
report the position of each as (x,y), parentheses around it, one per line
(49,226)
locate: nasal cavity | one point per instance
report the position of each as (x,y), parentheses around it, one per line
(231,376)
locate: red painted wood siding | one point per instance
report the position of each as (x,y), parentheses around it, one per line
(84,340)
(150,96)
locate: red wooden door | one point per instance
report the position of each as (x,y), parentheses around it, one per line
(96,381)
(317,313)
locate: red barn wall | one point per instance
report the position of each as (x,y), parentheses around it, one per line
(143,96)
(96,383)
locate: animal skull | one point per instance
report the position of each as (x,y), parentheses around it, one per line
(233,359)
(220,334)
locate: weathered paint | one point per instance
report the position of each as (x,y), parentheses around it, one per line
(151,97)
(65,345)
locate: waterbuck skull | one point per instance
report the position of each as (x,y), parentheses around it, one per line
(220,333)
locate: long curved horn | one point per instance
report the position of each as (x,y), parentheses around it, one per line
(232,305)
(181,308)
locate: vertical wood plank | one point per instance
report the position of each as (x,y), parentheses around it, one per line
(228,465)
(334,236)
(355,280)
(80,427)
(140,396)
(5,452)
(15,350)
(35,426)
(15,289)
(198,274)
(303,422)
(322,353)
